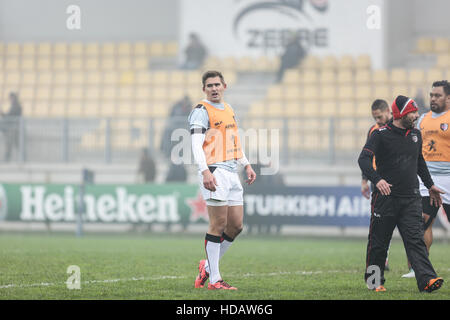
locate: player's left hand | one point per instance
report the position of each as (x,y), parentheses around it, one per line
(435,196)
(251,175)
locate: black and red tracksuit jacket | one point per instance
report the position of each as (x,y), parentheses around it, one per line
(398,158)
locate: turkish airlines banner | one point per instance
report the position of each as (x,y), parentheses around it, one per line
(263,27)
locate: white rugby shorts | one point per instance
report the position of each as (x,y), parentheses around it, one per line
(229,191)
(440,181)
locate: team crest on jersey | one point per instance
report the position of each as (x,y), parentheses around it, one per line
(444,126)
(414,138)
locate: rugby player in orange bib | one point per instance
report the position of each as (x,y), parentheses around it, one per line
(435,128)
(217,151)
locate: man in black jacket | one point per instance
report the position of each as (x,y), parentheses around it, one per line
(396,201)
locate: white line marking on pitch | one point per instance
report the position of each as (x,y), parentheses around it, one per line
(246,275)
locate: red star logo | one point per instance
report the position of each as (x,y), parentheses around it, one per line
(198,208)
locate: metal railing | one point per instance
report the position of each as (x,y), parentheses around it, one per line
(120,140)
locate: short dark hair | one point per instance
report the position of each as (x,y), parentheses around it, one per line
(212,74)
(380,104)
(443,83)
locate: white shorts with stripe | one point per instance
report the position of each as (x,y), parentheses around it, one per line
(442,182)
(229,189)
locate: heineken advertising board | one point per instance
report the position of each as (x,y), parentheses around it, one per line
(182,203)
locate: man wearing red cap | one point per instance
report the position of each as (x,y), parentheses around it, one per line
(396,201)
(434,127)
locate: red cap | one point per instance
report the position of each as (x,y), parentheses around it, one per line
(402,106)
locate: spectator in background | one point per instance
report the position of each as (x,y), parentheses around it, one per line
(195,53)
(177,173)
(177,119)
(147,167)
(293,54)
(10,128)
(420,100)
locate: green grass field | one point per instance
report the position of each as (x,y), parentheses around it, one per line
(164,266)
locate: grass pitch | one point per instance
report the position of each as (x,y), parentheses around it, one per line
(164,266)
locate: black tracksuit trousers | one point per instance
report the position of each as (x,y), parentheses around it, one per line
(387,212)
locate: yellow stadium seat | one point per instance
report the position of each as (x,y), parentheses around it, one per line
(45,78)
(194,78)
(363,109)
(291,76)
(143,93)
(140,63)
(328,92)
(245,64)
(275,109)
(310,62)
(363,92)
(125,92)
(124,63)
(91,63)
(93,93)
(60,64)
(441,45)
(75,49)
(110,78)
(177,78)
(61,78)
(75,63)
(124,49)
(13,78)
(160,78)
(28,64)
(381,92)
(76,93)
(91,109)
(58,109)
(398,76)
(363,61)
(107,50)
(309,77)
(400,89)
(443,60)
(107,109)
(108,93)
(416,76)
(156,49)
(41,109)
(229,63)
(346,62)
(346,92)
(143,78)
(125,109)
(292,109)
(60,93)
(12,49)
(12,64)
(275,92)
(327,77)
(107,63)
(380,77)
(60,49)
(311,92)
(329,62)
(171,48)
(433,75)
(292,92)
(328,108)
(140,48)
(77,78)
(74,109)
(424,45)
(264,63)
(310,108)
(345,77)
(93,78)
(363,76)
(28,78)
(346,108)
(44,49)
(92,49)
(142,109)
(29,49)
(160,93)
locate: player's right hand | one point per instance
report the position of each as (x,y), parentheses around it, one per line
(384,187)
(209,181)
(365,189)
